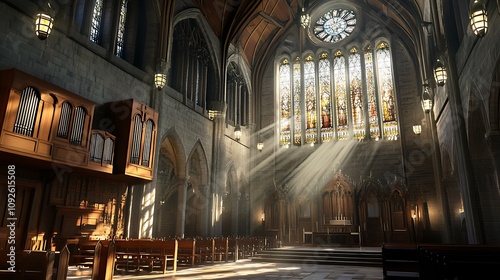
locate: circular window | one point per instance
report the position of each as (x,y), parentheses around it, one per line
(335,25)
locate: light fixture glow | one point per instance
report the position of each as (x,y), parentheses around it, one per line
(260,146)
(417,129)
(237,133)
(305,19)
(43,25)
(426,99)
(440,73)
(160,80)
(478,18)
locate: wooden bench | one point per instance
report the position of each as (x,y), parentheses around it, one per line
(186,253)
(206,249)
(221,247)
(84,253)
(35,265)
(148,254)
(452,261)
(400,261)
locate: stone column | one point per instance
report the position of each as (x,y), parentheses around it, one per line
(205,210)
(438,179)
(181,209)
(493,139)
(468,188)
(235,207)
(217,183)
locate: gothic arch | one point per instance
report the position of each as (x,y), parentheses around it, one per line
(171,174)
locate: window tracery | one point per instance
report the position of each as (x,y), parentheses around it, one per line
(340,92)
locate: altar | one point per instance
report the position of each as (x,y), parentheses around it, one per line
(336,233)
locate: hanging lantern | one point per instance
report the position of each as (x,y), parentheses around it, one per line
(478,18)
(417,129)
(305,19)
(160,80)
(440,73)
(260,146)
(237,133)
(426,99)
(43,25)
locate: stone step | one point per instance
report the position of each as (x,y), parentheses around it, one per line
(321,256)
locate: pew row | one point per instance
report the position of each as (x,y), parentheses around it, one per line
(146,254)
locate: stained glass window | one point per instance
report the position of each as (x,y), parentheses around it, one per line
(386,92)
(95,27)
(285,102)
(121,29)
(324,77)
(310,100)
(296,102)
(335,25)
(373,119)
(356,94)
(354,100)
(341,107)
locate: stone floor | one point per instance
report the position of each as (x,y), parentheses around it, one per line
(248,269)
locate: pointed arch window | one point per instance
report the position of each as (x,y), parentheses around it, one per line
(285,102)
(354,100)
(121,28)
(373,118)
(95,26)
(297,104)
(339,72)
(324,77)
(386,91)
(355,87)
(310,100)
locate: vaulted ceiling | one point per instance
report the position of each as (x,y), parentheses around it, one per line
(258,26)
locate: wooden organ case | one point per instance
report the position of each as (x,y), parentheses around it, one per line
(43,121)
(135,126)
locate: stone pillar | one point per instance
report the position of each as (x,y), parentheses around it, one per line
(493,139)
(205,210)
(181,209)
(218,160)
(442,198)
(235,206)
(468,189)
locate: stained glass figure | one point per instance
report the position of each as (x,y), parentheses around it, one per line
(372,96)
(310,100)
(95,27)
(339,74)
(285,102)
(356,94)
(297,112)
(121,29)
(386,92)
(325,93)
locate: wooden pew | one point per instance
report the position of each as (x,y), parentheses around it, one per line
(186,253)
(400,261)
(221,248)
(139,254)
(35,265)
(84,253)
(206,248)
(453,261)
